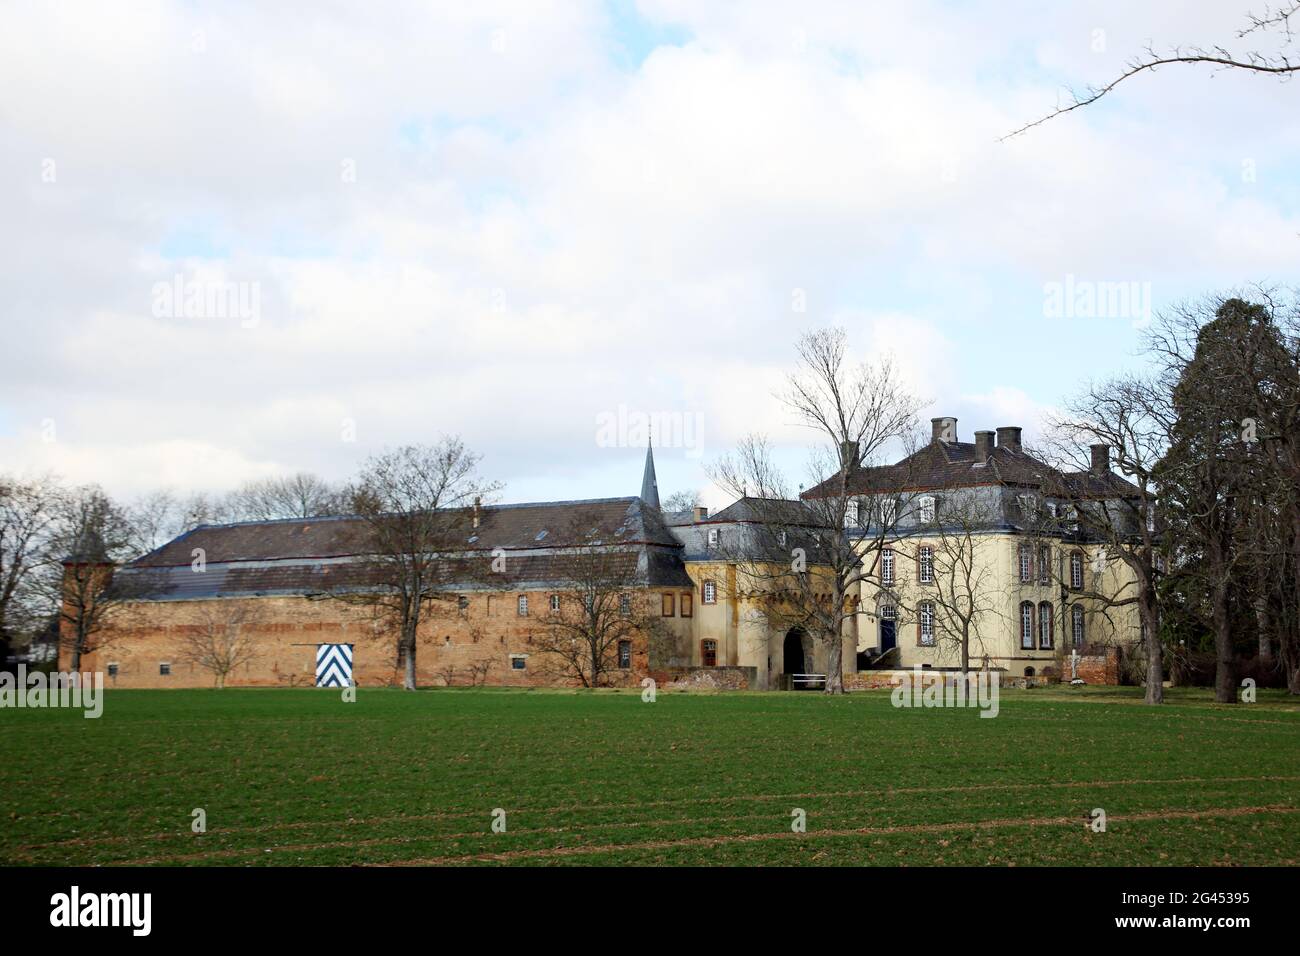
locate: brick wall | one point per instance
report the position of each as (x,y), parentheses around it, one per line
(284,632)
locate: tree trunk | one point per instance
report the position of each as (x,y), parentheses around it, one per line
(1155,650)
(408,644)
(1262,622)
(835,666)
(1225,684)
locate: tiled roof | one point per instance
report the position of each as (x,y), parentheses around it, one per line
(304,556)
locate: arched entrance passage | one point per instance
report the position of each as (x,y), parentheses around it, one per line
(794,662)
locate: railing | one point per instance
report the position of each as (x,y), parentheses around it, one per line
(807,681)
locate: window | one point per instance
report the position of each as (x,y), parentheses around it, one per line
(1044,564)
(462,603)
(669,605)
(1025,557)
(888,511)
(523,605)
(1151,517)
(1076,569)
(851,513)
(555,603)
(925,564)
(709,653)
(710,593)
(518,662)
(1076,624)
(926,507)
(1045,625)
(1026,626)
(624,654)
(887,567)
(688,602)
(925,624)
(112,670)
(888,612)
(714,536)
(1028,507)
(625,605)
(165,668)
(780,538)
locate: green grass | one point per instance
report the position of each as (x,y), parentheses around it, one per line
(299,777)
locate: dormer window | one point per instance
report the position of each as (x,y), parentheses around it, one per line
(713,537)
(925,506)
(888,511)
(851,513)
(1028,507)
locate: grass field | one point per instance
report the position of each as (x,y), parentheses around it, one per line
(299,777)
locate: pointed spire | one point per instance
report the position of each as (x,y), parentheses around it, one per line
(650,484)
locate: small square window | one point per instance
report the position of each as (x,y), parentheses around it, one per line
(518,662)
(165,668)
(112,669)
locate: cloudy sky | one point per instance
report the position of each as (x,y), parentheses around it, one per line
(522,222)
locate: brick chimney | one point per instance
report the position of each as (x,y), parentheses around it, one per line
(943,429)
(1009,438)
(983,446)
(1100,459)
(701,512)
(849,454)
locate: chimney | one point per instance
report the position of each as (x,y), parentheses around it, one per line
(1009,438)
(1100,459)
(701,512)
(983,447)
(943,429)
(849,452)
(478,502)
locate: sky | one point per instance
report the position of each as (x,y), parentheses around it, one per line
(245,239)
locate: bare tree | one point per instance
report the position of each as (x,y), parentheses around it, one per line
(967,601)
(1276,22)
(91,534)
(220,642)
(1124,423)
(600,602)
(302,495)
(27,512)
(800,566)
(420,507)
(681,501)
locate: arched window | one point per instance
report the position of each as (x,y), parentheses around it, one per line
(1029,672)
(1025,559)
(1045,625)
(1076,624)
(1076,569)
(1026,626)
(925,624)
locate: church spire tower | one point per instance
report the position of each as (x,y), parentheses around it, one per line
(650,484)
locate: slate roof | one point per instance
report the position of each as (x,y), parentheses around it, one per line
(315,555)
(945,465)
